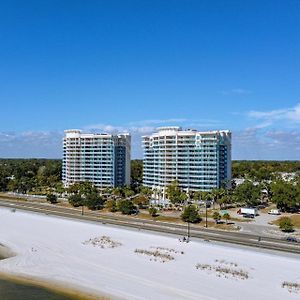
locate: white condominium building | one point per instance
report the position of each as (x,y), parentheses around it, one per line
(103,159)
(199,161)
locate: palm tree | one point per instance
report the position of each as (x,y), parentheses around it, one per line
(226,217)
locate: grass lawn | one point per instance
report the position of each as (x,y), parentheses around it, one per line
(211,212)
(211,224)
(8,196)
(268,208)
(162,218)
(295,219)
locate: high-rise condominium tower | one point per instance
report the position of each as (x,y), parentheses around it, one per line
(103,159)
(199,161)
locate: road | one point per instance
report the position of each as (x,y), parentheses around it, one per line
(179,230)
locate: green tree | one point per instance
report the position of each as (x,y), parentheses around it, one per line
(75,188)
(85,194)
(128,192)
(216,216)
(217,194)
(94,201)
(183,197)
(153,211)
(207,196)
(126,207)
(136,172)
(141,201)
(87,188)
(263,170)
(226,217)
(247,194)
(191,214)
(175,194)
(286,195)
(225,200)
(286,224)
(118,191)
(59,188)
(111,205)
(146,191)
(76,200)
(29,175)
(13,185)
(52,198)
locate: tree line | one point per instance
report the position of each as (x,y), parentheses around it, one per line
(263,170)
(43,176)
(30,175)
(285,194)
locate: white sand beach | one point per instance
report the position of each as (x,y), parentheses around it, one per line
(120,263)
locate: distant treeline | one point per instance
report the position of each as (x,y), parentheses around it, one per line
(24,175)
(40,175)
(262,170)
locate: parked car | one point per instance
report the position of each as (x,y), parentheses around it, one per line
(292,239)
(248,216)
(274,212)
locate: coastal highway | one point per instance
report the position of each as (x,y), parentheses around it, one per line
(178,230)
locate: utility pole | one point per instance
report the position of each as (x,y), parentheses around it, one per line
(206,213)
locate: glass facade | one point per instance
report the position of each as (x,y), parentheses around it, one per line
(102,159)
(197,160)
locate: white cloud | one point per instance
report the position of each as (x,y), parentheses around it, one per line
(261,125)
(253,143)
(291,114)
(29,144)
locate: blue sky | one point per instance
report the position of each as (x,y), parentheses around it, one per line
(135,65)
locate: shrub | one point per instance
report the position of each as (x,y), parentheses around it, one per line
(190,214)
(111,205)
(76,200)
(126,207)
(141,201)
(94,201)
(153,211)
(286,224)
(52,198)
